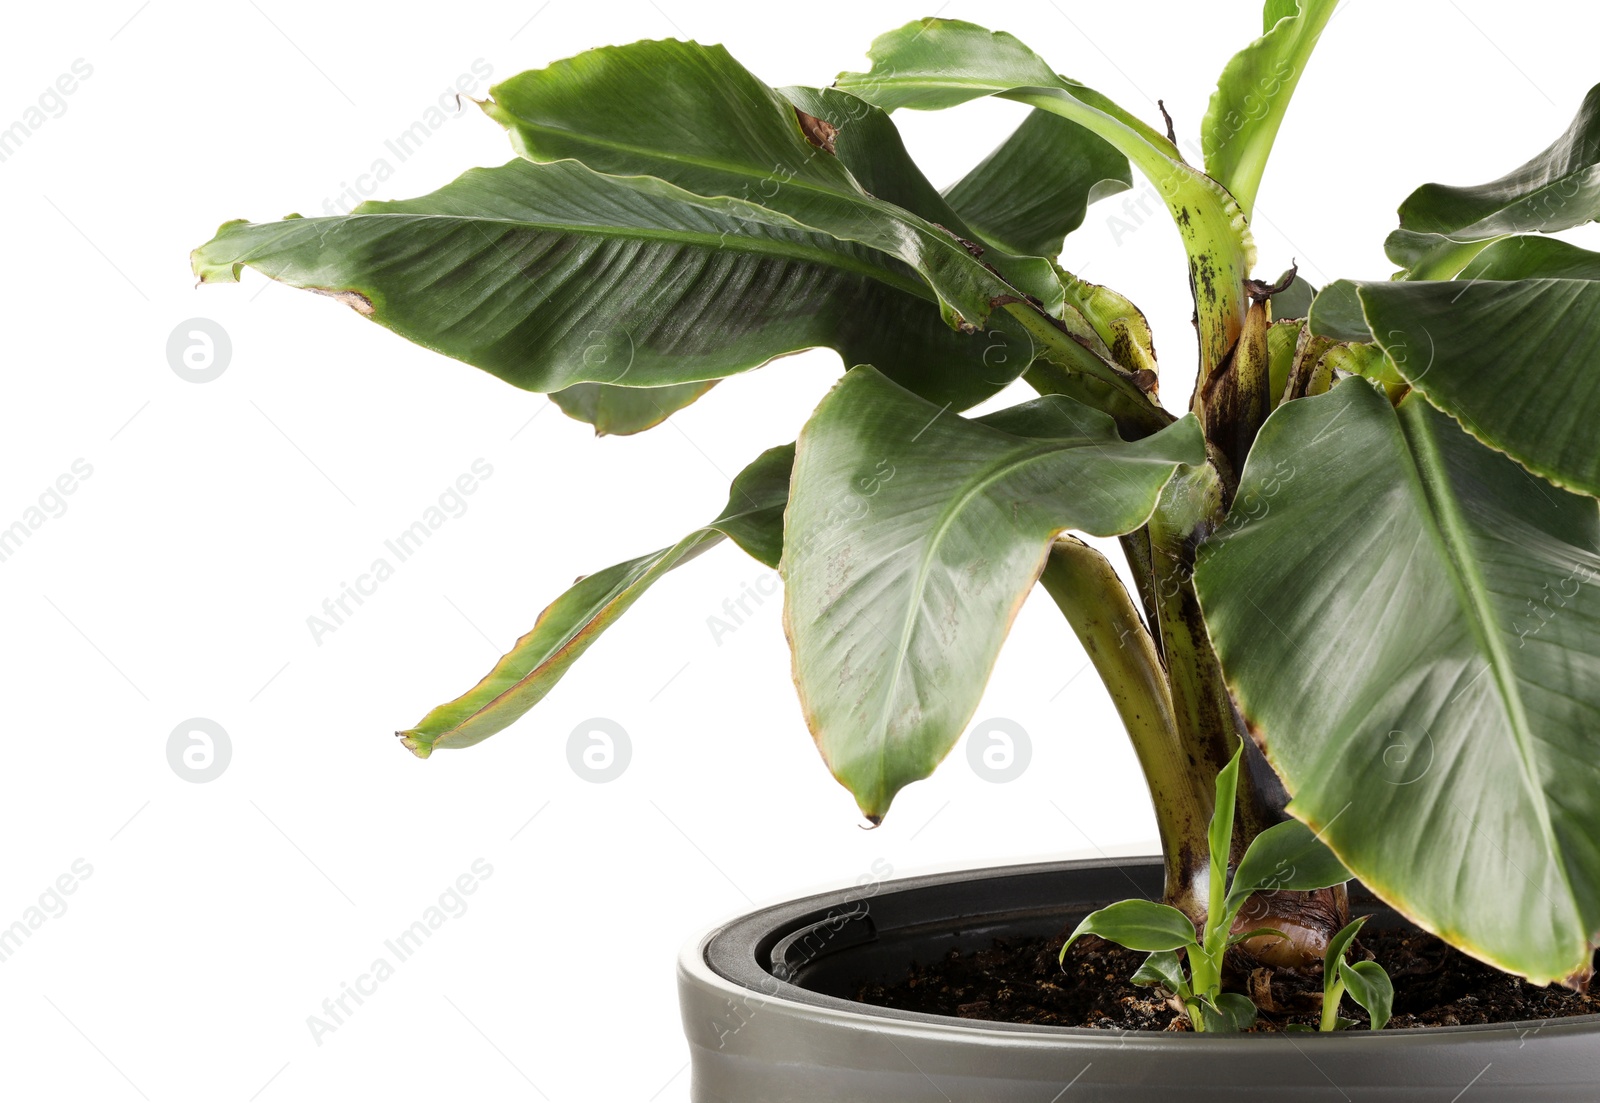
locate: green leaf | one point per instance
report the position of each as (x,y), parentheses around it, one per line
(1137,925)
(1253,95)
(621,411)
(914,536)
(1367,360)
(693,116)
(1526,257)
(1227,1013)
(1283,339)
(867,143)
(1336,313)
(1036,187)
(1443,227)
(1339,945)
(1368,984)
(1286,857)
(1466,715)
(1219,836)
(1513,362)
(564,631)
(552,275)
(1119,326)
(938,63)
(1163,968)
(753,518)
(1293,301)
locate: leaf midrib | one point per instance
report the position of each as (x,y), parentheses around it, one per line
(711,242)
(1450,529)
(877,206)
(667,559)
(982,481)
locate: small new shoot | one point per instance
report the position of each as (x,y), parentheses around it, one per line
(1285,858)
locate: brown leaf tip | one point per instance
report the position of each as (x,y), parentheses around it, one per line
(819,132)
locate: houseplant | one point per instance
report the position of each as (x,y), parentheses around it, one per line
(1365,554)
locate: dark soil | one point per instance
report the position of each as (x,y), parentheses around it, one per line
(1020,981)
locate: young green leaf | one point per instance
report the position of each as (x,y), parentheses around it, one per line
(1163,968)
(1339,945)
(1225,1013)
(1286,857)
(1253,95)
(1137,925)
(1368,984)
(1220,837)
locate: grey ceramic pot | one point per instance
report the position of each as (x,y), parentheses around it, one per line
(768,1016)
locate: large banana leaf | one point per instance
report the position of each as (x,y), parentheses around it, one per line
(937,63)
(1253,95)
(693,116)
(1407,618)
(1515,361)
(1036,186)
(553,275)
(1443,227)
(753,519)
(913,536)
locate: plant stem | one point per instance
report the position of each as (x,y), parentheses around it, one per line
(1086,588)
(1330,1007)
(1208,727)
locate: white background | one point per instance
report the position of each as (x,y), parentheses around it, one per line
(218,517)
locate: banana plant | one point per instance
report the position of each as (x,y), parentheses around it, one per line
(1365,547)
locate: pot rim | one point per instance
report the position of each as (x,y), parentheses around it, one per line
(765,926)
